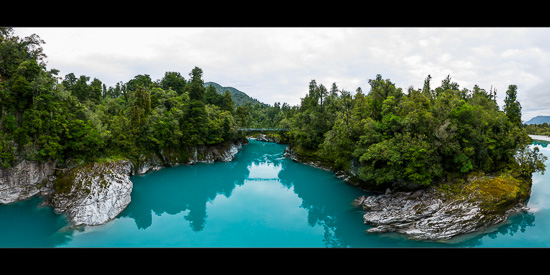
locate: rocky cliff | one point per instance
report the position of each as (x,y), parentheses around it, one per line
(98,192)
(170,157)
(24,180)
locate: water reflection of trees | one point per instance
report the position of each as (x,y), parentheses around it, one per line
(327,200)
(328,205)
(161,191)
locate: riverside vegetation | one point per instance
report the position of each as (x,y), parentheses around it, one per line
(75,120)
(78,141)
(385,139)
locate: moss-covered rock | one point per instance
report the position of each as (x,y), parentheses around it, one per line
(497,194)
(445,211)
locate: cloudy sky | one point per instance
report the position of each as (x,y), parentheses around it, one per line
(277,64)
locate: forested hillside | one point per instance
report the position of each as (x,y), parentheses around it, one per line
(43,118)
(417,136)
(239,98)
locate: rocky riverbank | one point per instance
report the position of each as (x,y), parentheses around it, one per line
(26,179)
(443,212)
(293,155)
(95,193)
(350,176)
(197,154)
(437,213)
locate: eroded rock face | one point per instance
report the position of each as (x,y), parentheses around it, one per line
(93,194)
(432,214)
(206,154)
(24,180)
(211,154)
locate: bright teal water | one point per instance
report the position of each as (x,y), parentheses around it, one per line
(258,200)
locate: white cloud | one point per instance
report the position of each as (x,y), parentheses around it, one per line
(276,64)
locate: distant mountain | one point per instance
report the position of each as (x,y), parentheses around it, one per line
(239,98)
(539,120)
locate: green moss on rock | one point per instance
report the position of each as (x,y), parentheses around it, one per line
(491,193)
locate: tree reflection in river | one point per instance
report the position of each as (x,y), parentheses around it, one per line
(327,199)
(296,205)
(167,191)
(172,191)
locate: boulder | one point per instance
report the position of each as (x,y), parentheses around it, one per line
(93,194)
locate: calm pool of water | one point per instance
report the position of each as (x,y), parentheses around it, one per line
(258,200)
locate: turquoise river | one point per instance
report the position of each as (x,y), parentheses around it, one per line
(260,199)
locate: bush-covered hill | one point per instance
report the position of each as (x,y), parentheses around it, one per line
(239,98)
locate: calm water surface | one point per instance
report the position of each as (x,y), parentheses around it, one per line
(258,200)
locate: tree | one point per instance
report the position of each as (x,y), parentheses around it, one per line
(512,107)
(173,80)
(426,90)
(194,112)
(322,93)
(14,51)
(241,114)
(380,90)
(95,90)
(530,161)
(211,96)
(196,88)
(227,102)
(446,84)
(334,89)
(143,80)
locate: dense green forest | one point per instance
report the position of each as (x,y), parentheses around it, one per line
(43,118)
(416,136)
(538,129)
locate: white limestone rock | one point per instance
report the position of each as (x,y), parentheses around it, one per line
(430,214)
(93,194)
(24,180)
